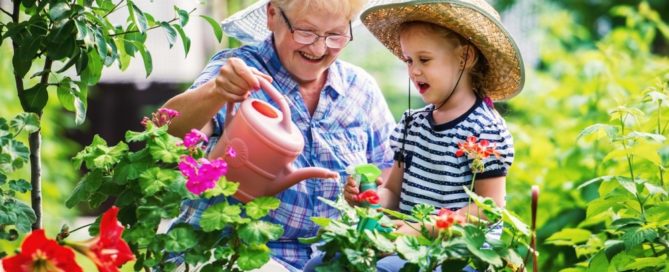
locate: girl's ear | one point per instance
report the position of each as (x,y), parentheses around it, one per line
(471,55)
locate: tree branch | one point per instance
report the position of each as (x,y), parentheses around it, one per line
(113,9)
(6,12)
(150,28)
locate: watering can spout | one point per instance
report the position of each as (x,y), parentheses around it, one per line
(294,176)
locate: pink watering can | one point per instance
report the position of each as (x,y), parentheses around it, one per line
(266,142)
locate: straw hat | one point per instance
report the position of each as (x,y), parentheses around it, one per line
(474,20)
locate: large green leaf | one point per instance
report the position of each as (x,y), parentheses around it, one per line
(261,206)
(180,238)
(184,38)
(218,31)
(260,232)
(410,249)
(253,257)
(137,17)
(15,152)
(220,215)
(34,99)
(569,236)
(58,11)
(85,188)
(170,33)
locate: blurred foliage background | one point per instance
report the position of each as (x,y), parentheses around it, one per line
(594,56)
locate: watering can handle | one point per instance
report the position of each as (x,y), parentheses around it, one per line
(275,95)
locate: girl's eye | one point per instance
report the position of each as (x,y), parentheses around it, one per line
(424,60)
(408,61)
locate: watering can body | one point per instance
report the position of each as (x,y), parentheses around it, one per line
(266,143)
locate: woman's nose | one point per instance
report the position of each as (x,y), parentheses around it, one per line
(318,47)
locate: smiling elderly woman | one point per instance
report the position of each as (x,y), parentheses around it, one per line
(337,106)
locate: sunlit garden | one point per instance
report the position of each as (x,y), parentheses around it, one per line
(91,178)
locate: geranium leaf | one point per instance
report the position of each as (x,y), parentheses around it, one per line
(253,257)
(20,185)
(162,148)
(16,152)
(410,249)
(218,216)
(261,206)
(260,232)
(180,238)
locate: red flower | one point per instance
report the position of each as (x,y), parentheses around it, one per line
(446,218)
(369,196)
(477,151)
(108,251)
(41,254)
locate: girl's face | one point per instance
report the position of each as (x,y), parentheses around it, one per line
(306,62)
(433,62)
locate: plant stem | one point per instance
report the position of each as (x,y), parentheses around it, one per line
(150,28)
(659,131)
(471,188)
(113,9)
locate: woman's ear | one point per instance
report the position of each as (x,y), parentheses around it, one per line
(271,13)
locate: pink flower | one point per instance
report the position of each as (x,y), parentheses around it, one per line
(231,152)
(162,117)
(193,138)
(202,175)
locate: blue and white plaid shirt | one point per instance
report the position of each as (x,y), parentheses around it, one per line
(351,125)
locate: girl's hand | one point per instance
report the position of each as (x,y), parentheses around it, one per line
(351,191)
(406,228)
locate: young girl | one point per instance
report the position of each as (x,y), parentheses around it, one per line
(460,58)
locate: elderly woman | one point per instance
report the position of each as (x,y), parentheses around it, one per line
(337,106)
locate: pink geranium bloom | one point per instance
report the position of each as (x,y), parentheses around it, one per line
(202,175)
(193,138)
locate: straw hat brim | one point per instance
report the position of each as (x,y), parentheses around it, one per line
(473,20)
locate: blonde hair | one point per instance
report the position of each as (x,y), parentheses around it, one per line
(480,67)
(349,8)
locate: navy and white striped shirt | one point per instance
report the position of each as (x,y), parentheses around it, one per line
(433,174)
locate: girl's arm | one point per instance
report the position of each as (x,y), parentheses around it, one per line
(494,188)
(389,191)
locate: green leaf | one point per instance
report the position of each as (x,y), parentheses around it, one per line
(641,263)
(34,99)
(223,187)
(25,216)
(90,75)
(170,33)
(85,188)
(146,58)
(25,121)
(218,216)
(184,38)
(218,31)
(635,236)
(598,131)
(323,222)
(183,16)
(410,249)
(569,236)
(260,232)
(162,149)
(261,206)
(137,17)
(379,241)
(253,257)
(180,238)
(58,11)
(20,185)
(16,153)
(153,180)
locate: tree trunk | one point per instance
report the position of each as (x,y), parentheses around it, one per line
(35,142)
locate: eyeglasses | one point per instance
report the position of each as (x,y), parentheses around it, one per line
(307,37)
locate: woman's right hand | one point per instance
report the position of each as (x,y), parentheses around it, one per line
(351,191)
(235,79)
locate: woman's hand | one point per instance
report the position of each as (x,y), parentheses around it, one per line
(235,79)
(351,191)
